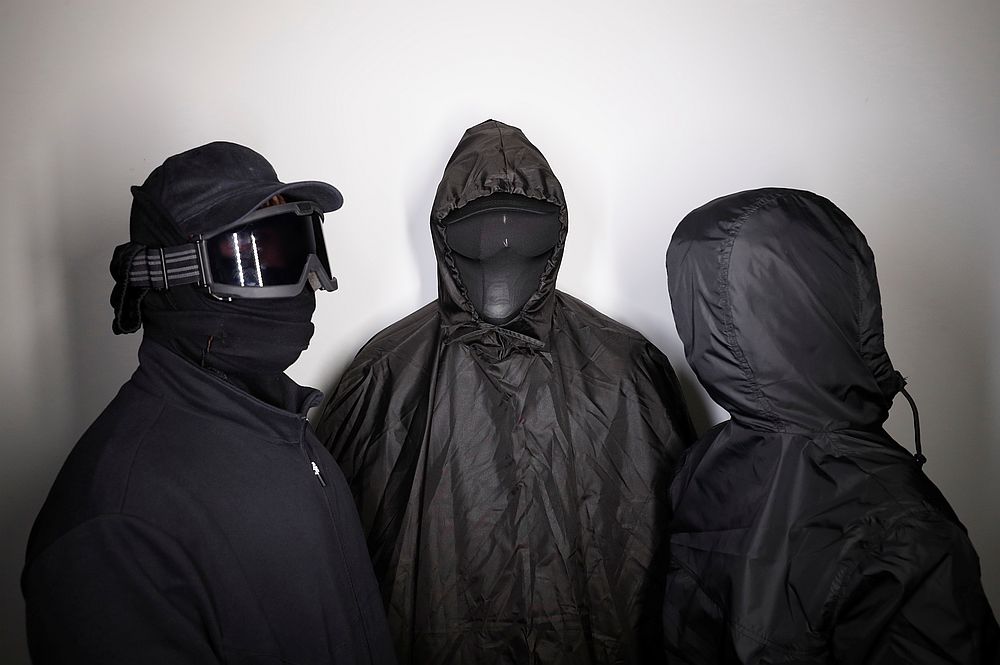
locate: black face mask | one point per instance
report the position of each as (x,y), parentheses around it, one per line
(242,339)
(500,245)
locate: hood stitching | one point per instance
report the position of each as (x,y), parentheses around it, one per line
(729,327)
(865,278)
(861,279)
(503,153)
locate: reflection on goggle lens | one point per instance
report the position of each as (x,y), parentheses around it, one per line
(272,251)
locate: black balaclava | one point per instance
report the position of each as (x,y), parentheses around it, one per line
(501,245)
(249,342)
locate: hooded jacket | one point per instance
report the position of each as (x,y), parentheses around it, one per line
(511,479)
(802,532)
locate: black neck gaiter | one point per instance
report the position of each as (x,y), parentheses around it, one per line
(249,343)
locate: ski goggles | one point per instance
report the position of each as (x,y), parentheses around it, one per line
(270,253)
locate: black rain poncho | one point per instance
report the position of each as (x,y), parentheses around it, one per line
(512,480)
(802,532)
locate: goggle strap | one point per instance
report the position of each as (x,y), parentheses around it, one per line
(161,268)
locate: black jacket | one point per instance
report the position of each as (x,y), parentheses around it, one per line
(802,532)
(193,523)
(511,480)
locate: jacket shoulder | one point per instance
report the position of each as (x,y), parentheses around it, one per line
(94,480)
(911,578)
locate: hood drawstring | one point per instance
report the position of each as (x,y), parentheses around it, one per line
(467,332)
(919,455)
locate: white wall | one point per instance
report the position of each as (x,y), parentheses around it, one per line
(645,109)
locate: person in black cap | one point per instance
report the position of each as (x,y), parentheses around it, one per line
(198,520)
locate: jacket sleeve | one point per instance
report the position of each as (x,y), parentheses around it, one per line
(915,596)
(116,590)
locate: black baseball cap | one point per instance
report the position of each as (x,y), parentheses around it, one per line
(219,183)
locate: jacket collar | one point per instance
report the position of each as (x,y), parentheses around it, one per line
(182,383)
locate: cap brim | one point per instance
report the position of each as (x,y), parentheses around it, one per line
(238,206)
(325,195)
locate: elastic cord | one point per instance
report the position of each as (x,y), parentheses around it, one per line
(919,456)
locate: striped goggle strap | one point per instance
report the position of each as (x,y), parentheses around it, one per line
(161,268)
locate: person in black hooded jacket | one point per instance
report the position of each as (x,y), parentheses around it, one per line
(802,532)
(508,446)
(198,520)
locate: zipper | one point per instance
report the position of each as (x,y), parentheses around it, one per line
(316,472)
(313,466)
(335,526)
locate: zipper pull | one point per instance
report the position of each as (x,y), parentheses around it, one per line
(319,476)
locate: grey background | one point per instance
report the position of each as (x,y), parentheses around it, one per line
(646,109)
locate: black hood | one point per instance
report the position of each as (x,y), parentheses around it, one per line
(776,300)
(496,158)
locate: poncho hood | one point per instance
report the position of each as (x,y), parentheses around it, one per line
(494,158)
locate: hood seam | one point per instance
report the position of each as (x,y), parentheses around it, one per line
(503,153)
(729,327)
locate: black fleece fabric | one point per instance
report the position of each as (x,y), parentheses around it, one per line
(802,532)
(511,479)
(195,524)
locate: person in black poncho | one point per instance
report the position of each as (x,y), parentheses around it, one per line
(802,532)
(508,446)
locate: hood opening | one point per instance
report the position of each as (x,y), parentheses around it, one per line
(501,245)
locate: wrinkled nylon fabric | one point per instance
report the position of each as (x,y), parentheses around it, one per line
(512,481)
(802,532)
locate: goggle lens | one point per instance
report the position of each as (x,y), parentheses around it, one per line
(268,252)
